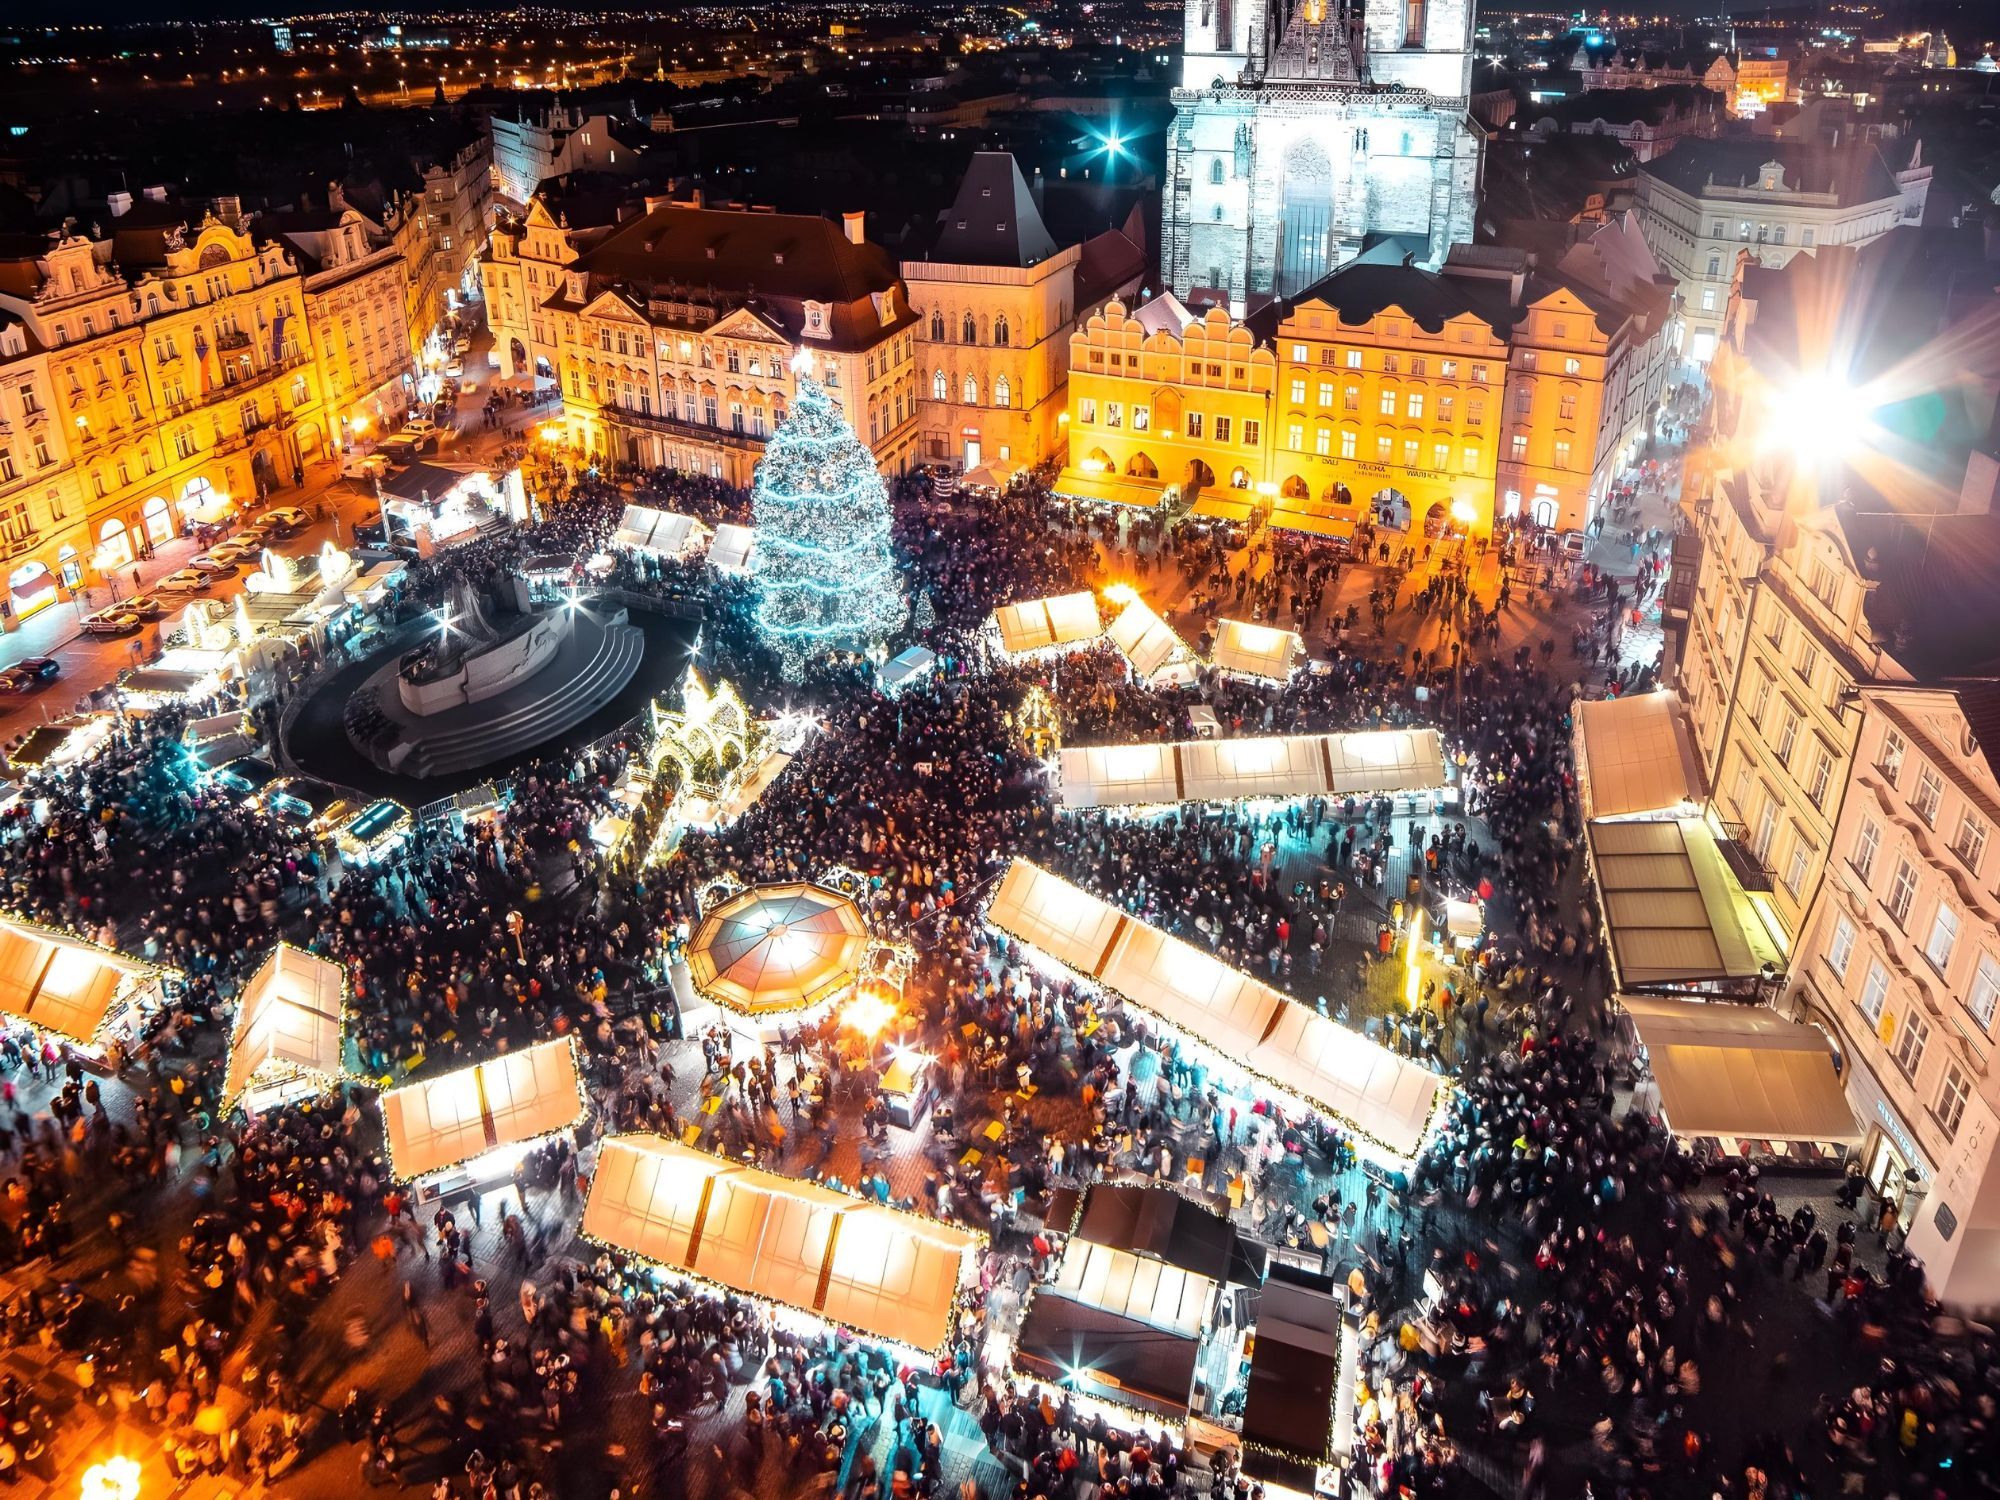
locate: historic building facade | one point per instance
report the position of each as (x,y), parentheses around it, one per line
(355,314)
(1304,131)
(676,336)
(996,301)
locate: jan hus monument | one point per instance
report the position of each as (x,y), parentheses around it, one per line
(1306,131)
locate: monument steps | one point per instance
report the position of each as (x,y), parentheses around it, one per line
(617,657)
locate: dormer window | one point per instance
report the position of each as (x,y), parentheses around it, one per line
(1414,19)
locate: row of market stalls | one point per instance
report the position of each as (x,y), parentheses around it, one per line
(1158,1309)
(1039,628)
(1387,1102)
(1365,763)
(661,533)
(1695,954)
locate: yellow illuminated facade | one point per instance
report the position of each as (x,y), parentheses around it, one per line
(179,375)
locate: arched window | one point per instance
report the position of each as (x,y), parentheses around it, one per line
(1215,172)
(1218,213)
(1003,394)
(937,326)
(969,332)
(969,391)
(1000,331)
(940,387)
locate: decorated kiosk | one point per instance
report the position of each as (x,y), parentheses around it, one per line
(287,1038)
(465,1130)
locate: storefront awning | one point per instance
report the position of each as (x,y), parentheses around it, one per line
(1107,488)
(1674,912)
(1384,1098)
(1635,756)
(1060,620)
(890,1275)
(1221,507)
(1260,651)
(1339,526)
(1365,763)
(1737,1070)
(287,1023)
(506,1101)
(1062,1340)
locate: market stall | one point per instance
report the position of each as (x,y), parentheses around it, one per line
(287,1039)
(1368,763)
(664,533)
(906,1087)
(732,547)
(1260,653)
(81,992)
(912,665)
(372,833)
(1293,1386)
(1158,656)
(1386,1100)
(468,1128)
(886,1274)
(1047,625)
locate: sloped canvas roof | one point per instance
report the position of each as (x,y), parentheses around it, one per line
(61,983)
(1635,755)
(1260,651)
(287,1021)
(1385,1098)
(1674,914)
(1742,1070)
(1369,763)
(890,1275)
(1148,642)
(454,1117)
(1059,620)
(729,551)
(642,528)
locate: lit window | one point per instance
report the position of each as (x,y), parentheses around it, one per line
(1943,939)
(1840,950)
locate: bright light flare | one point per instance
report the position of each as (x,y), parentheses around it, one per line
(1818,418)
(868,1012)
(114,1479)
(1120,593)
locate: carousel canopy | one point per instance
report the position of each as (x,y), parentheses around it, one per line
(1059,620)
(287,1022)
(1367,763)
(1340,1072)
(61,983)
(454,1117)
(778,947)
(890,1275)
(1260,651)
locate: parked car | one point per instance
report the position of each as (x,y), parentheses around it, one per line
(455,369)
(363,466)
(419,426)
(236,550)
(245,776)
(1574,544)
(209,563)
(461,345)
(287,517)
(118,619)
(145,606)
(31,673)
(185,581)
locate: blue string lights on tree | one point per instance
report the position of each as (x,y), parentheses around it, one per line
(825,573)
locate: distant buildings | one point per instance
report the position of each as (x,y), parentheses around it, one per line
(1706,202)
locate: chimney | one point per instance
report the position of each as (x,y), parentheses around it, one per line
(120,203)
(854,224)
(155,194)
(229,209)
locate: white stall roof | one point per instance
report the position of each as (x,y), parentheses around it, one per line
(1742,1070)
(287,1022)
(61,983)
(645,529)
(1386,1098)
(1366,763)
(1636,756)
(1148,642)
(1261,651)
(891,1275)
(1134,1286)
(454,1117)
(1059,620)
(730,551)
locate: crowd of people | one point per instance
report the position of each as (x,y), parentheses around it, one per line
(1550,1252)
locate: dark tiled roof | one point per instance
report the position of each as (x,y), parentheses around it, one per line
(1109,260)
(1936,603)
(1855,174)
(1360,290)
(993,221)
(1980,702)
(1624,106)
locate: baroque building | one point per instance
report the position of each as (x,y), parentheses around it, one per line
(1304,132)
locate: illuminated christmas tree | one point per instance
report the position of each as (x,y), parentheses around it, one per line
(826,577)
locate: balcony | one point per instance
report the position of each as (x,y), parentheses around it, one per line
(230,339)
(694,432)
(1750,871)
(238,384)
